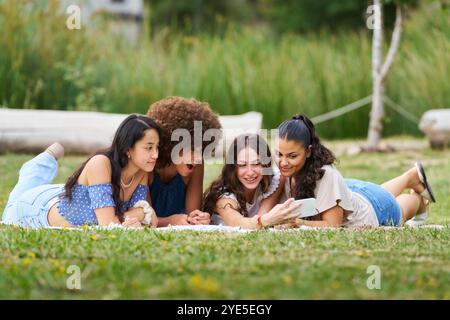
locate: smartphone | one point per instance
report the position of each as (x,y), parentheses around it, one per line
(307,208)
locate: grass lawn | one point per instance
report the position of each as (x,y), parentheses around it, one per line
(147,264)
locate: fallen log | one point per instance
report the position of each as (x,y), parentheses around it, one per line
(31,131)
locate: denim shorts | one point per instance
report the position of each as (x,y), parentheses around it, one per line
(31,210)
(386,207)
(30,200)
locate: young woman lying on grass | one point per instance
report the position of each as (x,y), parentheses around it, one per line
(309,168)
(102,191)
(248,189)
(176,185)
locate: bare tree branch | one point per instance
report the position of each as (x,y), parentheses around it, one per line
(395,42)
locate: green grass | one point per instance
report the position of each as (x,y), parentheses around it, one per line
(148,264)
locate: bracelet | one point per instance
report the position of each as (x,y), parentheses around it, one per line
(148,211)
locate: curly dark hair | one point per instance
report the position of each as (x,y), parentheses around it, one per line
(180,113)
(228,180)
(301,129)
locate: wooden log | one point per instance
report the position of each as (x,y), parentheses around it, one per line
(31,131)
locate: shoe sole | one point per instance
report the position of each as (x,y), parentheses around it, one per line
(423,179)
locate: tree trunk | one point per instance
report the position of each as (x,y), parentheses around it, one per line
(376,116)
(377,112)
(379,72)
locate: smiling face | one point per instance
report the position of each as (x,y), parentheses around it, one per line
(249,168)
(145,151)
(187,161)
(291,156)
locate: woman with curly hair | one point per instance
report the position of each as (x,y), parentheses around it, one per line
(309,168)
(176,186)
(248,189)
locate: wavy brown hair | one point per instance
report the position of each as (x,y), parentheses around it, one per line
(173,113)
(228,180)
(301,130)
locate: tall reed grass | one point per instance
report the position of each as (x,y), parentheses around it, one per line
(44,65)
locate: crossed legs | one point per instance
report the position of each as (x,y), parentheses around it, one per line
(412,203)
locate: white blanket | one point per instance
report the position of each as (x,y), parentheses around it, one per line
(227,229)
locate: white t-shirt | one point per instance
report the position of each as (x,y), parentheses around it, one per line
(332,190)
(255,205)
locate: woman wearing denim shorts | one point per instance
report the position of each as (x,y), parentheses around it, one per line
(310,172)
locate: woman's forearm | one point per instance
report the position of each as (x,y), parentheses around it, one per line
(107,221)
(320,223)
(174,219)
(164,222)
(246,223)
(137,213)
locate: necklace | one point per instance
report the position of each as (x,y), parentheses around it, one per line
(127,185)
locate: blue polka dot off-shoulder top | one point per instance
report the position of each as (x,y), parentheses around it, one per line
(85,199)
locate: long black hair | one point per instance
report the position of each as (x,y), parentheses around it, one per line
(131,130)
(228,180)
(301,130)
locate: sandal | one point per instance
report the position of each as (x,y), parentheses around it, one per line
(427,193)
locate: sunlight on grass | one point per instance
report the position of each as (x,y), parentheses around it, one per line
(147,264)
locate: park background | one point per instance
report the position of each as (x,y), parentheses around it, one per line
(272,56)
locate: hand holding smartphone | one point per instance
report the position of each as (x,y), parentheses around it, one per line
(307,207)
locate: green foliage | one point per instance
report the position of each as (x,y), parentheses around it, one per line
(42,62)
(44,65)
(311,15)
(198,16)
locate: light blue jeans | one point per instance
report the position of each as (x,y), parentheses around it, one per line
(386,207)
(29,202)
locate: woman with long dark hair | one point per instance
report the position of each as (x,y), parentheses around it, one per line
(247,191)
(309,168)
(110,187)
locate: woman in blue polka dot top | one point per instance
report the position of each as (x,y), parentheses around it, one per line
(103,191)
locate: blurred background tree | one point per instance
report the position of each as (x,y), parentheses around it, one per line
(272,56)
(195,16)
